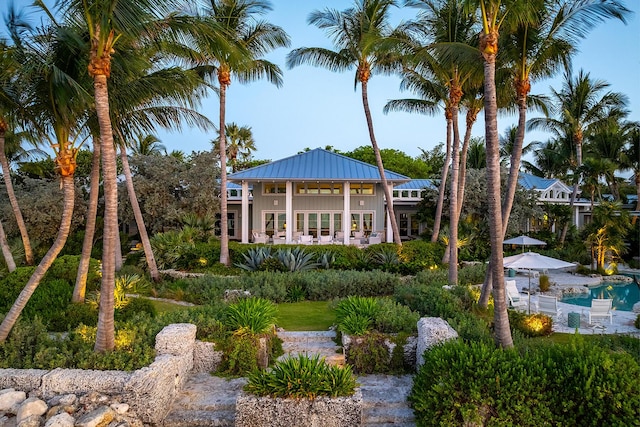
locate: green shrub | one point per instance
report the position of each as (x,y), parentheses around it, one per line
(538,385)
(355,324)
(302,378)
(544,283)
(392,317)
(253,315)
(135,306)
(531,325)
(637,322)
(240,355)
(369,354)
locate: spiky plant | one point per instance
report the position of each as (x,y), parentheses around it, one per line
(254,258)
(251,315)
(296,259)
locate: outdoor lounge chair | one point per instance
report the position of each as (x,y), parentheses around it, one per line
(548,305)
(375,238)
(514,297)
(601,308)
(306,239)
(260,237)
(325,240)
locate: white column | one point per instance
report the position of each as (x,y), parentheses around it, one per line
(346,213)
(389,237)
(289,211)
(245,212)
(576,214)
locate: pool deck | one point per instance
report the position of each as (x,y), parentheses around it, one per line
(561,282)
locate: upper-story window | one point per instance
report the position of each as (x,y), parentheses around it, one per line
(274,188)
(318,188)
(362,188)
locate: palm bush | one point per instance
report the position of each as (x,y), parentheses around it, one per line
(251,315)
(302,377)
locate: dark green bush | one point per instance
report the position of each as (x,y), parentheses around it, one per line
(579,384)
(369,354)
(302,378)
(240,355)
(394,318)
(136,306)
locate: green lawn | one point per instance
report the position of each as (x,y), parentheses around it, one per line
(305,316)
(165,306)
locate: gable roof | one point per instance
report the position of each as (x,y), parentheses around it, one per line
(532,182)
(417,184)
(318,164)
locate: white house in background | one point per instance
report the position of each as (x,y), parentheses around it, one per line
(322,193)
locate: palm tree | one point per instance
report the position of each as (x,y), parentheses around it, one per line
(107,22)
(147,145)
(240,145)
(579,108)
(9,109)
(250,40)
(58,105)
(631,160)
(6,250)
(361,35)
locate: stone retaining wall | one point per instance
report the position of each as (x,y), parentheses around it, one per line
(149,391)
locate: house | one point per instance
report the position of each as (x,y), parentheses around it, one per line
(322,193)
(316,193)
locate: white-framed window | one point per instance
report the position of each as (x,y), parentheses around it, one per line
(363,188)
(327,188)
(270,188)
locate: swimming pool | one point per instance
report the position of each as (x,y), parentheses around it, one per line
(624,295)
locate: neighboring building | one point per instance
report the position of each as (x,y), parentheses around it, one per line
(322,193)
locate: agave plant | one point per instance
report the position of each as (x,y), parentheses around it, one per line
(386,256)
(296,259)
(326,260)
(254,258)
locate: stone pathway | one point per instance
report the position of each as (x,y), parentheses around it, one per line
(210,401)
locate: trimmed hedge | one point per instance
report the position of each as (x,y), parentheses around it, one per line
(580,384)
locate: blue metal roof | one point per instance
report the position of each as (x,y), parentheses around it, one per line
(416,184)
(318,164)
(531,182)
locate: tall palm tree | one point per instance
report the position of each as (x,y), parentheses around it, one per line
(58,104)
(579,108)
(361,35)
(631,160)
(10,108)
(106,22)
(250,40)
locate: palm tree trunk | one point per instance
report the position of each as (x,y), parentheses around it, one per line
(376,151)
(512,185)
(462,182)
(6,173)
(224,226)
(80,288)
(635,218)
(65,225)
(574,193)
(453,201)
(6,250)
(501,320)
(443,180)
(118,253)
(137,213)
(105,334)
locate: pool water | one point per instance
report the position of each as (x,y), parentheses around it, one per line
(624,295)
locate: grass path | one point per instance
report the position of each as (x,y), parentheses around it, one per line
(305,316)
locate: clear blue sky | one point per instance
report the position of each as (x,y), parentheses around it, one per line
(316,107)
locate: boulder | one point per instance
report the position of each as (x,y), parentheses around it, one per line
(10,398)
(432,331)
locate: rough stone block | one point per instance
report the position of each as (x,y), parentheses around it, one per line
(10,398)
(80,381)
(151,390)
(253,411)
(21,379)
(32,407)
(176,339)
(205,357)
(432,331)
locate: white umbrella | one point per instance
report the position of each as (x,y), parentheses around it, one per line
(534,261)
(524,241)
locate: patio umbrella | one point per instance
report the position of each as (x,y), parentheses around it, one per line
(534,261)
(524,241)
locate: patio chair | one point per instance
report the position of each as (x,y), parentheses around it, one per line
(340,236)
(548,305)
(325,240)
(358,234)
(375,238)
(306,239)
(514,297)
(601,308)
(260,237)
